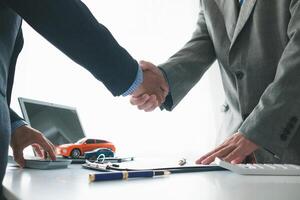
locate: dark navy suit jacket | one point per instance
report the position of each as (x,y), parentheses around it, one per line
(71,27)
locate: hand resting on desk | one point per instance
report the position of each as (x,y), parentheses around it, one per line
(24,136)
(234,150)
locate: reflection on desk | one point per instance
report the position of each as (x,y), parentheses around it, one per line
(73,184)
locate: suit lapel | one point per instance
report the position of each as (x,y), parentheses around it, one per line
(229,9)
(244,15)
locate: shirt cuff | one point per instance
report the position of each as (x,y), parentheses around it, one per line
(17,124)
(138,81)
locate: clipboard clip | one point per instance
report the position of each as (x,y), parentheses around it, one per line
(101,166)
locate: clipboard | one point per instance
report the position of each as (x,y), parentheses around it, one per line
(108,167)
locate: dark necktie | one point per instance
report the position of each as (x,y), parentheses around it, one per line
(239,4)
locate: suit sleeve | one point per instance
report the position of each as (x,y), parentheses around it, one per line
(275,120)
(15,120)
(184,69)
(14,116)
(71,27)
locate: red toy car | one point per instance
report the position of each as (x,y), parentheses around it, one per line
(83,145)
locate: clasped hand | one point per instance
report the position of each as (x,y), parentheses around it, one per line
(153,90)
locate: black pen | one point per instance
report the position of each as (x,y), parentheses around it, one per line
(124,175)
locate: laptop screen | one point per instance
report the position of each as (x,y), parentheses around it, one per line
(60,124)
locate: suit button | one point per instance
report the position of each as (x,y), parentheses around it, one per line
(283,137)
(224,108)
(239,75)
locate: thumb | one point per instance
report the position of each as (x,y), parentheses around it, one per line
(146,65)
(18,156)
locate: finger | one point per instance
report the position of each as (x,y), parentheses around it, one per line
(53,148)
(146,65)
(161,96)
(18,157)
(148,105)
(51,145)
(46,155)
(165,89)
(153,107)
(51,153)
(152,101)
(37,150)
(238,160)
(210,153)
(159,99)
(221,153)
(136,101)
(235,154)
(47,147)
(224,144)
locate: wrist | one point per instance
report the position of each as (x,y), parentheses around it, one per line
(17,124)
(136,83)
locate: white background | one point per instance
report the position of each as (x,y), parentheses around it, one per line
(151,30)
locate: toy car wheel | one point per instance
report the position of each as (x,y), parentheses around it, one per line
(75,153)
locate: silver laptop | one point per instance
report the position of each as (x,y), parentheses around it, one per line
(59,123)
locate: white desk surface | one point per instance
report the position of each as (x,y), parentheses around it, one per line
(72,183)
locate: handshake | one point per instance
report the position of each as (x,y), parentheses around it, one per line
(153,91)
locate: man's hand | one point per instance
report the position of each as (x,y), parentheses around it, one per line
(25,136)
(153,91)
(233,150)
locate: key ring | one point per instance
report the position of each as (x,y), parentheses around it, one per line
(102,157)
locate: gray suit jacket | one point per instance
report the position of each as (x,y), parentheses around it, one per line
(258,51)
